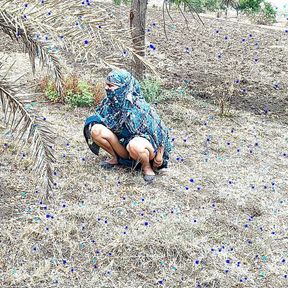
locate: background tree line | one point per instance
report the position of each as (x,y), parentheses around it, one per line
(260,11)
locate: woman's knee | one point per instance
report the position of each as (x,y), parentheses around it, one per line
(139,145)
(135,145)
(100,131)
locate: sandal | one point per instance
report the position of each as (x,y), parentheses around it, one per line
(106,165)
(149,178)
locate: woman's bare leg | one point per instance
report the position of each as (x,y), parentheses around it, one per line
(107,140)
(141,149)
(158,160)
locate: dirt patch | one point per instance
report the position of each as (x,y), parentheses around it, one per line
(221,53)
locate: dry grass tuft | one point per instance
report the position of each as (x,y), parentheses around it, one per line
(98,91)
(167,227)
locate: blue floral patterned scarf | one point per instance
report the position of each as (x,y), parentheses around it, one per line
(127,106)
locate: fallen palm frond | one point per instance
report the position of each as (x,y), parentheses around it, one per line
(87,31)
(13,25)
(44,31)
(30,129)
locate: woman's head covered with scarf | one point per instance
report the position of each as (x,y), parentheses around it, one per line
(129,87)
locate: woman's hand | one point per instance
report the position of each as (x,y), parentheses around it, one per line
(158,160)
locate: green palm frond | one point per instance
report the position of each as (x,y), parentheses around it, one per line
(29,129)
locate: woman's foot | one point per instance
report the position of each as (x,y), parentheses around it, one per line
(109,164)
(112,161)
(158,160)
(148,172)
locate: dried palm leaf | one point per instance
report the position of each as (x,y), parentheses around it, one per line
(29,129)
(86,30)
(16,29)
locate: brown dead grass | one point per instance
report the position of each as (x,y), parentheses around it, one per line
(85,196)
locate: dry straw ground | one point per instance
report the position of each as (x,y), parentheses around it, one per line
(217,217)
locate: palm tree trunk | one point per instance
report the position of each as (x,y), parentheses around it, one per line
(137,26)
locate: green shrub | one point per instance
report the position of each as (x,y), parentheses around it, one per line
(51,93)
(265,16)
(82,98)
(212,5)
(250,5)
(197,5)
(151,89)
(269,12)
(77,93)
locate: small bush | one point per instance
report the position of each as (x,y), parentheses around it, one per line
(250,5)
(98,91)
(265,16)
(269,13)
(48,87)
(151,89)
(83,99)
(77,93)
(212,5)
(52,94)
(197,5)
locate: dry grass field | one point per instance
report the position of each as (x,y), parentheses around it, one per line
(216,217)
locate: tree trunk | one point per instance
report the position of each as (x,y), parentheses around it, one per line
(137,26)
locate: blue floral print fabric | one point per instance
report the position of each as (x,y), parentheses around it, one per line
(126,113)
